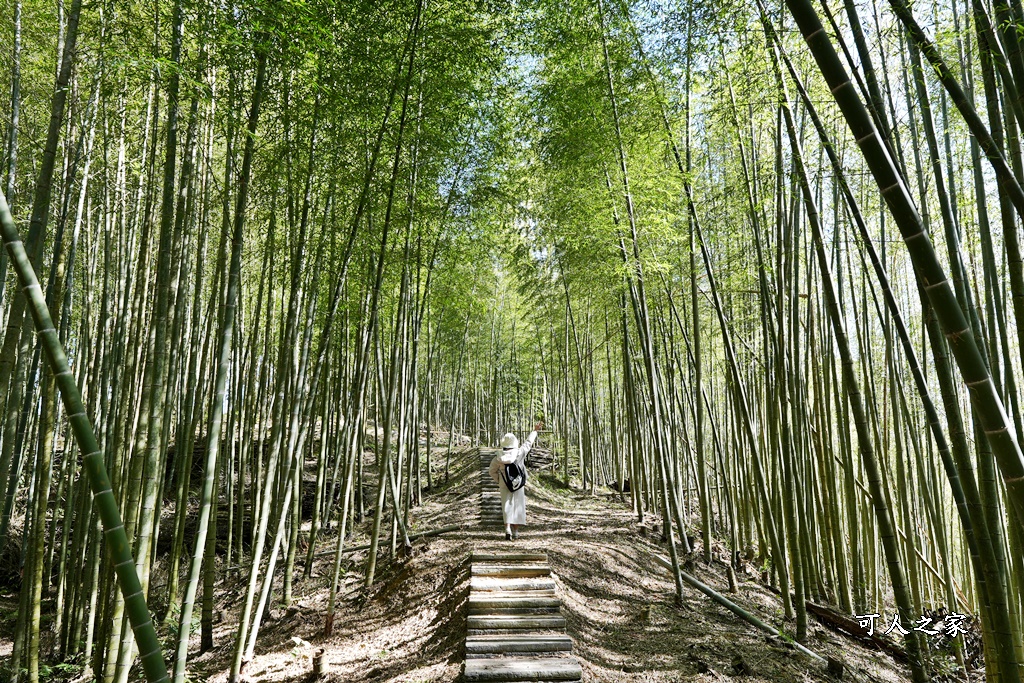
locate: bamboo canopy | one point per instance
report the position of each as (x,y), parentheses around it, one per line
(274,272)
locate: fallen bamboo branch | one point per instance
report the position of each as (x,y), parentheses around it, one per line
(841,622)
(734,608)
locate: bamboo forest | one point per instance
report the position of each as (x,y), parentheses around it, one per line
(511,340)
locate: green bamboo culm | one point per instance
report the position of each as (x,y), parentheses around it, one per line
(227,331)
(883,515)
(92,456)
(928,269)
(976,536)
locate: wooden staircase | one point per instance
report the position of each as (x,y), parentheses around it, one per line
(515,630)
(490,500)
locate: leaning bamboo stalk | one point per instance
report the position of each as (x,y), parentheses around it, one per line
(732,606)
(92,455)
(883,513)
(237,663)
(638,299)
(963,489)
(378,279)
(1009,183)
(928,269)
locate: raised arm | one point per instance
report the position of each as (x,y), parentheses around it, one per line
(525,448)
(528,444)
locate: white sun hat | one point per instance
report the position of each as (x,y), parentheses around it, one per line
(509,447)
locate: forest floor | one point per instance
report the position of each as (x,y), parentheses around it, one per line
(618,603)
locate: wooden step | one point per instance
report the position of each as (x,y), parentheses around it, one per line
(493,583)
(514,611)
(515,608)
(508,601)
(491,558)
(510,570)
(515,622)
(479,646)
(520,593)
(523,669)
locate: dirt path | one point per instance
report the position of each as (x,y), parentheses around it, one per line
(617,602)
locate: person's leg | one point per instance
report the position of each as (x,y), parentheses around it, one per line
(505,510)
(515,531)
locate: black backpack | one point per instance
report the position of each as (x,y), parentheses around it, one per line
(514,476)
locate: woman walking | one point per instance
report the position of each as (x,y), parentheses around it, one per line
(508,469)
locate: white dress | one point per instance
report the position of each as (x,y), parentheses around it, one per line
(513,503)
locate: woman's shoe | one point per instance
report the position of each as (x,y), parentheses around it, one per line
(508,536)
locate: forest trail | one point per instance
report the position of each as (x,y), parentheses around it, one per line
(616,603)
(514,630)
